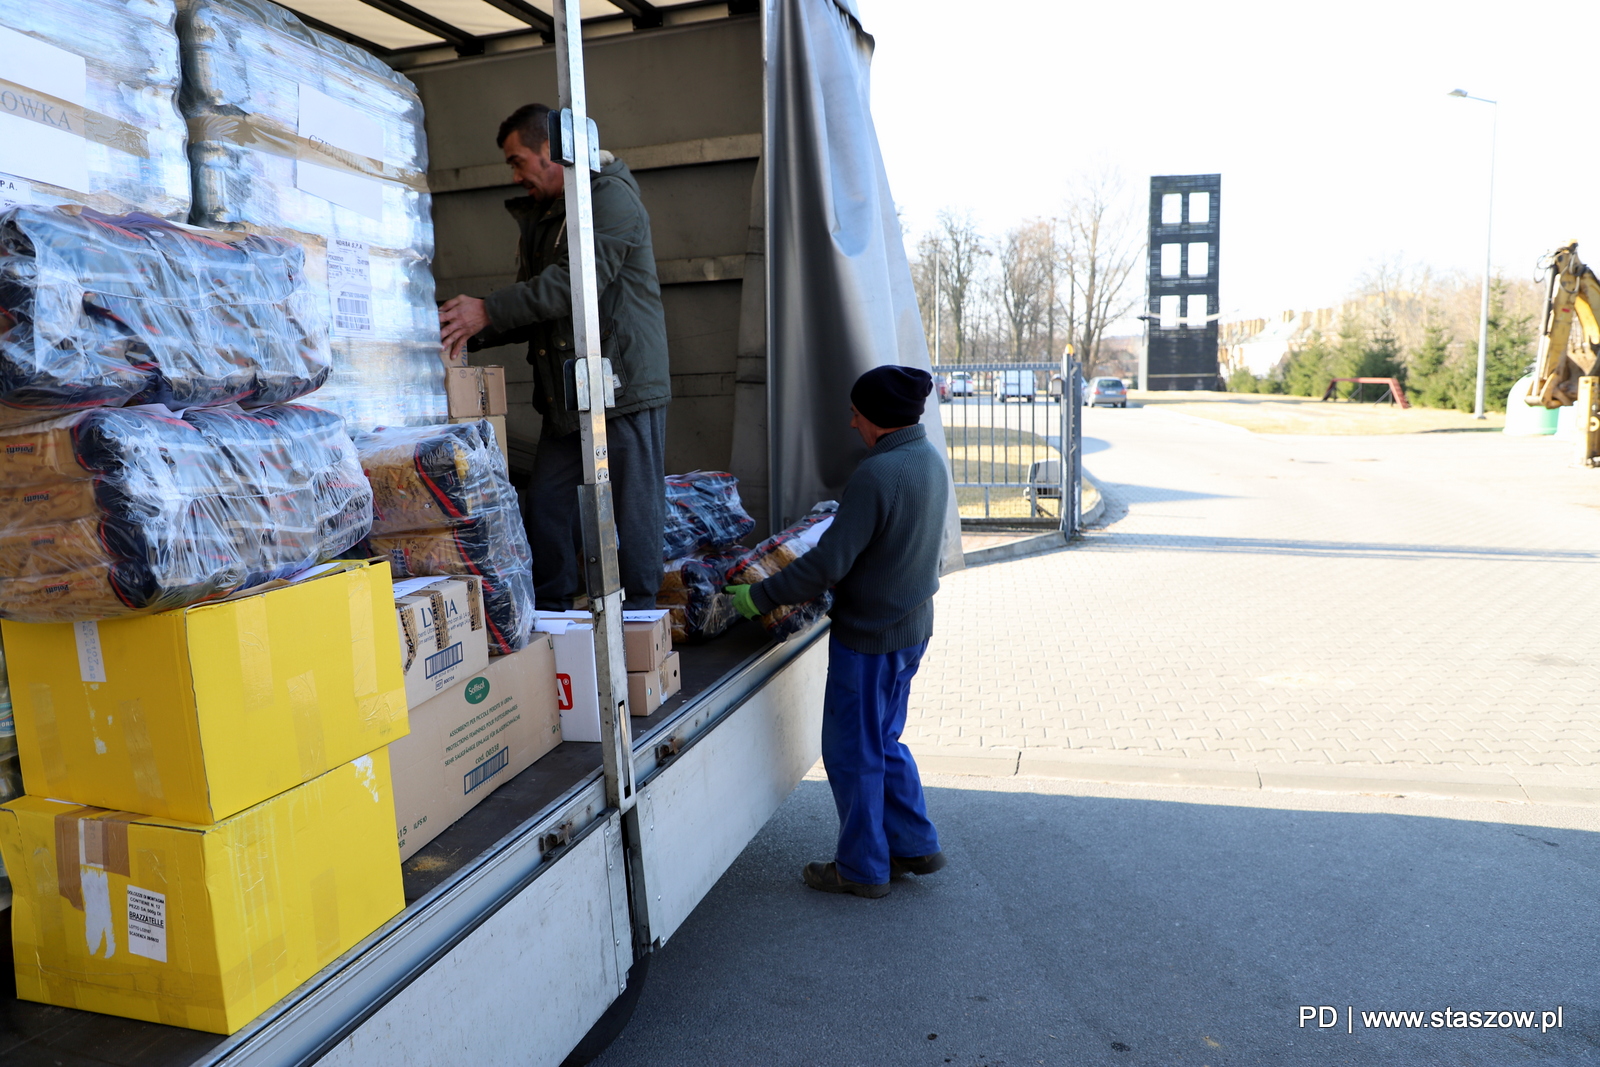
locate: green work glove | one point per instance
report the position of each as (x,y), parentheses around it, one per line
(742,600)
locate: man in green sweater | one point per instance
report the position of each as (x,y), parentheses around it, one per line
(881,557)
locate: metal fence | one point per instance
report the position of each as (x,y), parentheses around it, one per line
(1004,427)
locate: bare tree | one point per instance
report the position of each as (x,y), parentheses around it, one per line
(1026,278)
(925,268)
(962,251)
(1102,248)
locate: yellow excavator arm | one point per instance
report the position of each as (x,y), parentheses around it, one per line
(1572,292)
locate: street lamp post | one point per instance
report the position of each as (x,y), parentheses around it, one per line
(1488,242)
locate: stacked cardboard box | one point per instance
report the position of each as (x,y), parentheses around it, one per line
(652,665)
(479,393)
(577,689)
(653,673)
(473,738)
(219,814)
(443,638)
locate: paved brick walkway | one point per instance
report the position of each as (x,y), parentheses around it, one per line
(1400,613)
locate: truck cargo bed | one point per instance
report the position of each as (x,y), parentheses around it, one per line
(716,677)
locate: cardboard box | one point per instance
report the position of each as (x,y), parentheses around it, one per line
(499,424)
(203,926)
(468,741)
(443,639)
(646,638)
(644,692)
(475,392)
(671,677)
(577,689)
(198,713)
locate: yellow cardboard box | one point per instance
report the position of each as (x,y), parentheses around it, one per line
(198,713)
(199,926)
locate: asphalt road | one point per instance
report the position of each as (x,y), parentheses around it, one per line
(1143,925)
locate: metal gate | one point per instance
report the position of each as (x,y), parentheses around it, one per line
(1004,428)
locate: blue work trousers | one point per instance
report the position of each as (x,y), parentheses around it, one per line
(874,779)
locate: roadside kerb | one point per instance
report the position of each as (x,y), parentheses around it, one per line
(1452,783)
(1094,506)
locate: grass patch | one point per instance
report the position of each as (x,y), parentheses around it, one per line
(996,455)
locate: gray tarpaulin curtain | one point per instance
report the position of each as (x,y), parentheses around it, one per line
(840,298)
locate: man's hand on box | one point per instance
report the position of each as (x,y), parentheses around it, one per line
(742,600)
(461,319)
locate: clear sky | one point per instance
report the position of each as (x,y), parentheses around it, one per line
(1329,124)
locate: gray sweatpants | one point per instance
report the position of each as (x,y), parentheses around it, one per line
(637,446)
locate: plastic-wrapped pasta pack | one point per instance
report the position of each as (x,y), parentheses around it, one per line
(297,134)
(703,512)
(443,504)
(691,591)
(93,116)
(776,553)
(104,311)
(118,511)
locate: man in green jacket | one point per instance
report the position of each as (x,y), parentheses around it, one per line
(633,335)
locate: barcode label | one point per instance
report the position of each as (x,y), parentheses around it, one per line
(353,313)
(443,661)
(350,287)
(487,769)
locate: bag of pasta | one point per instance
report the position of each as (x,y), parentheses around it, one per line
(117,511)
(443,504)
(703,513)
(777,552)
(691,591)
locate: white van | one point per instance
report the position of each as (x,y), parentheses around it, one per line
(1015,383)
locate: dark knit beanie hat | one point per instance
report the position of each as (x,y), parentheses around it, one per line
(892,396)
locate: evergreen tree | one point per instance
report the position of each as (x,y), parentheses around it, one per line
(1430,380)
(1510,350)
(1437,380)
(1309,367)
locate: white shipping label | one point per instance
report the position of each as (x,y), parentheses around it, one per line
(43,154)
(29,62)
(91,663)
(322,118)
(14,191)
(147,924)
(37,139)
(357,192)
(350,287)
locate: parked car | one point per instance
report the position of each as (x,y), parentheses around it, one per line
(1014,383)
(941,386)
(1109,392)
(961,384)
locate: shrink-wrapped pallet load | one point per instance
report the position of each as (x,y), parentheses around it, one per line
(121,511)
(443,504)
(90,116)
(299,135)
(104,311)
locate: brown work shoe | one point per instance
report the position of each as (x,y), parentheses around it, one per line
(826,877)
(899,865)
